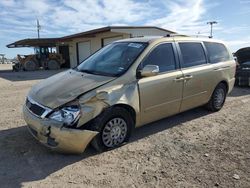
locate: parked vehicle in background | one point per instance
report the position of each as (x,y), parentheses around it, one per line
(127,84)
(243,67)
(43,57)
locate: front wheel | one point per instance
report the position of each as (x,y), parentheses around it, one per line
(218,98)
(114,126)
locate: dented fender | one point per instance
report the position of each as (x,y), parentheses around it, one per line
(93,103)
(53,135)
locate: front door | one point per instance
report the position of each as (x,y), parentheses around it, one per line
(160,95)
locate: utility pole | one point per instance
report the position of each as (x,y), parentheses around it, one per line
(38,28)
(211,28)
(2,55)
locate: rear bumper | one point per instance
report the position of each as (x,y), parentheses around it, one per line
(53,135)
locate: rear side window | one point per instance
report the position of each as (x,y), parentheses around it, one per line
(192,54)
(162,56)
(216,52)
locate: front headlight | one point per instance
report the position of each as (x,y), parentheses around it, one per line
(68,115)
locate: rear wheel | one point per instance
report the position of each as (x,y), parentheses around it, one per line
(114,126)
(30,66)
(218,98)
(53,65)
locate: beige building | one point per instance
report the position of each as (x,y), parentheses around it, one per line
(77,47)
(81,45)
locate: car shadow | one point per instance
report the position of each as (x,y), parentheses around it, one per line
(167,123)
(27,75)
(23,159)
(240,91)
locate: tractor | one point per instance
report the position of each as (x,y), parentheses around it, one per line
(43,57)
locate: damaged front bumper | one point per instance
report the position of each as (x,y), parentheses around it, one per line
(53,135)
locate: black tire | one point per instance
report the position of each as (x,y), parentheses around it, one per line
(30,65)
(214,103)
(101,122)
(53,65)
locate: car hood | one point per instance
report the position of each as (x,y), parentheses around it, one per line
(65,87)
(243,55)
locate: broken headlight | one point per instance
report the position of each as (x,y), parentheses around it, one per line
(68,115)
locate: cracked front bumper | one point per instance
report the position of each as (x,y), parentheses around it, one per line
(53,135)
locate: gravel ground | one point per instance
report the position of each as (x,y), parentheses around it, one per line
(192,149)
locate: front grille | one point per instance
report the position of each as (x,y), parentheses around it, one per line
(34,108)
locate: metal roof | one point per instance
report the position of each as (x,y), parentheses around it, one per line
(50,42)
(93,32)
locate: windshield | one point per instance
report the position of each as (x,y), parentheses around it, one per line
(113,59)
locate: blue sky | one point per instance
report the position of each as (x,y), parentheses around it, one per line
(64,17)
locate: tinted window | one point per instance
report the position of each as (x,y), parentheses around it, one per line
(216,52)
(192,54)
(163,56)
(246,63)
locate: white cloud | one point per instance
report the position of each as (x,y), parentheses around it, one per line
(236,44)
(39,7)
(79,15)
(64,17)
(183,16)
(7,3)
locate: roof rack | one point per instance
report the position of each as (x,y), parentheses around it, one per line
(176,35)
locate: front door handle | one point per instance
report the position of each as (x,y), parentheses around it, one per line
(179,79)
(188,77)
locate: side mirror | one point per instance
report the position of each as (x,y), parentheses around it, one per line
(149,70)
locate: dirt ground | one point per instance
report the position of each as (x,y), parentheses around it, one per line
(192,149)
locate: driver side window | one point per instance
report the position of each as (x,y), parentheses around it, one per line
(162,56)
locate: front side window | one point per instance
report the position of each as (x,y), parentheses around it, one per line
(192,54)
(162,56)
(216,52)
(112,60)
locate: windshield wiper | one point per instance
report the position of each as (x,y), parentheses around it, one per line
(86,71)
(93,72)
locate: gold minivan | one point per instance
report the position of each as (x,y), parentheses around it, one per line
(127,84)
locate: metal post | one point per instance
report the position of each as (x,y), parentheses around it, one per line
(211,28)
(2,55)
(38,28)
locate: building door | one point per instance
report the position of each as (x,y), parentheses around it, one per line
(64,50)
(83,50)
